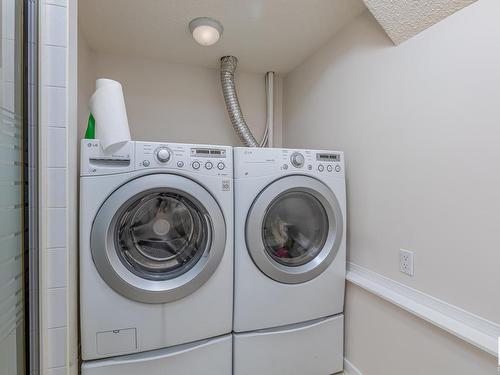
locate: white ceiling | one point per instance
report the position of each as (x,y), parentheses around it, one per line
(265,35)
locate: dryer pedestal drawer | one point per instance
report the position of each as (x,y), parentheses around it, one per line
(312,348)
(213,356)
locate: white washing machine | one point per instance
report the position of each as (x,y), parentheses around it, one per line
(156,256)
(290,228)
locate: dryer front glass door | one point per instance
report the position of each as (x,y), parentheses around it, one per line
(158,238)
(294,229)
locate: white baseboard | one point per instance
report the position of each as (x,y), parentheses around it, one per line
(350,369)
(469,327)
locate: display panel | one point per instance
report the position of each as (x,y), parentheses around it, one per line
(208,152)
(328,157)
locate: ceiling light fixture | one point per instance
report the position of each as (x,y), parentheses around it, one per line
(206,31)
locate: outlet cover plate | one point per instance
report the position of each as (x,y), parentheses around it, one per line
(406,261)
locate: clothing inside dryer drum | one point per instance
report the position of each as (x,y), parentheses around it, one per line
(295,228)
(161,236)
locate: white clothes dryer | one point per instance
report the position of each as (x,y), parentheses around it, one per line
(290,249)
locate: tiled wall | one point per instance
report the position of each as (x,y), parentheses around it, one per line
(53,186)
(12,318)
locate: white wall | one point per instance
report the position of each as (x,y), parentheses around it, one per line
(175,102)
(382,339)
(420,125)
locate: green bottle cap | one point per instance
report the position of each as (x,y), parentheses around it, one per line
(90,133)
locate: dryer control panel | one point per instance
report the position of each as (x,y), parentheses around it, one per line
(252,162)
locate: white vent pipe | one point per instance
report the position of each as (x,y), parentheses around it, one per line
(269,111)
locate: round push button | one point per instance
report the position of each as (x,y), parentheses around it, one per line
(337,168)
(180,164)
(196,165)
(146,163)
(329,168)
(221,166)
(321,168)
(209,165)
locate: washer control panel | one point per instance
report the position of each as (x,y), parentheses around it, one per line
(95,161)
(208,160)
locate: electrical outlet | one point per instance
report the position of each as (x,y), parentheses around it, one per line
(406,261)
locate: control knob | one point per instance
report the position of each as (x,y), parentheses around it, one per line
(297,160)
(162,154)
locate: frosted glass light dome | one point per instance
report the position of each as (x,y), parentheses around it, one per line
(206,31)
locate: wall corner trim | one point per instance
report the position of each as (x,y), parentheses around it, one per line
(469,327)
(350,369)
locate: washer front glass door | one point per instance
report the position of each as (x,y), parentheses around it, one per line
(294,229)
(161,235)
(158,238)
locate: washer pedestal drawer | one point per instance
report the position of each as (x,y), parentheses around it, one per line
(313,348)
(212,356)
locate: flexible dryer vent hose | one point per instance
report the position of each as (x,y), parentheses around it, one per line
(227,69)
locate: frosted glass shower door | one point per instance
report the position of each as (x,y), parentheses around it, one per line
(12,186)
